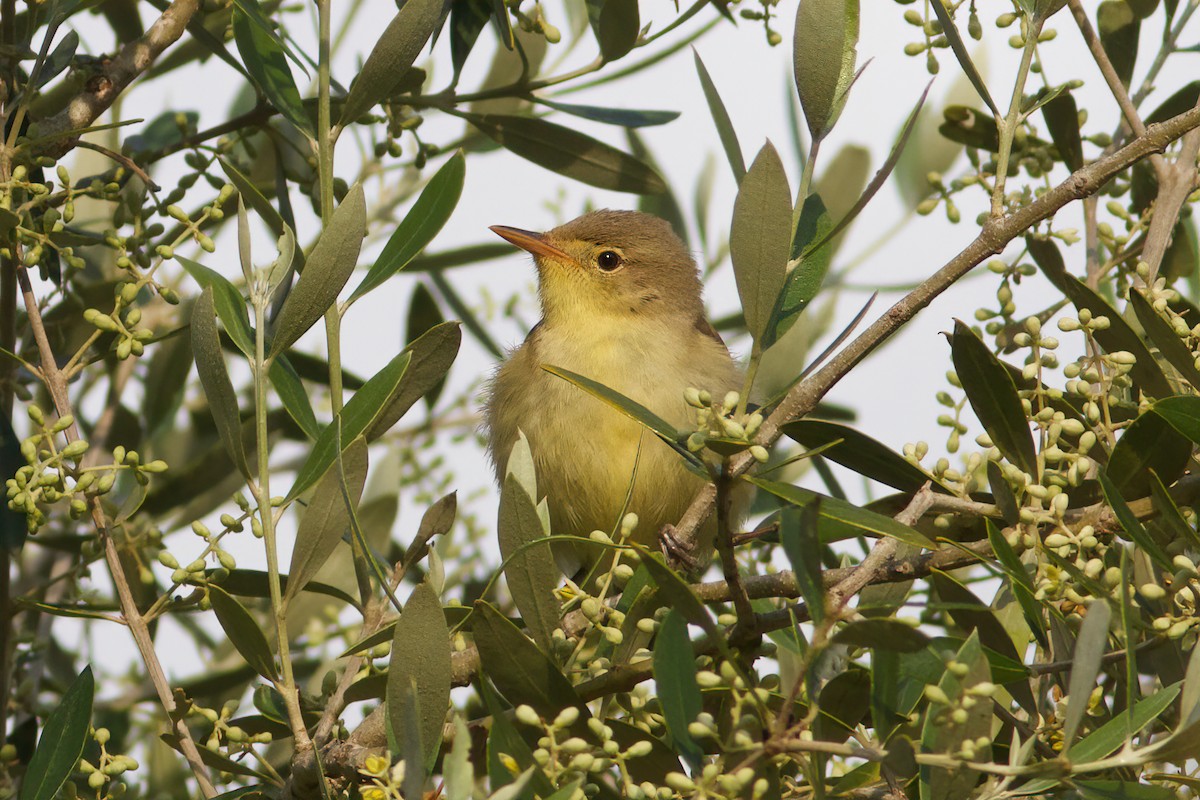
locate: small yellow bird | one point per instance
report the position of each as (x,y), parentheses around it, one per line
(621,304)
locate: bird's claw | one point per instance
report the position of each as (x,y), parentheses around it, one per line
(680,552)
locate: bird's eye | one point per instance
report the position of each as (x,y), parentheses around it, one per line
(608,261)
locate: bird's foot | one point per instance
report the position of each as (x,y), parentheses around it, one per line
(680,552)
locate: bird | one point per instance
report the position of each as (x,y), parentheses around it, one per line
(621,301)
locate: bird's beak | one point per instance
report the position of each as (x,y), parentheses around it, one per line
(531,241)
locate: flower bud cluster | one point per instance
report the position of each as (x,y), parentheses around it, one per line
(720,427)
(107,767)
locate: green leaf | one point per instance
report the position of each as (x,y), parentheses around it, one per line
(1085,666)
(214,378)
(1183,413)
(1118,336)
(970,127)
(228,301)
(458,772)
(518,667)
(635,411)
(256,583)
(433,353)
(326,270)
(618,27)
(856,451)
(854,520)
(366,404)
(939,737)
(960,53)
(247,792)
(265,61)
(243,632)
(993,396)
(570,153)
(1062,121)
(291,393)
(674,666)
(529,570)
(882,634)
(806,269)
(250,193)
(420,658)
(393,54)
(625,117)
(1119,29)
(61,743)
(423,316)
(420,225)
(1020,582)
(725,129)
(326,519)
(1110,736)
(802,546)
(1177,354)
(676,593)
(760,238)
(1131,524)
(1148,443)
(213,759)
(467,20)
(825,42)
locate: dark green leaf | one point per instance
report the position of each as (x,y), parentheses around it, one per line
(674,666)
(970,127)
(802,545)
(960,53)
(504,740)
(725,129)
(850,518)
(617,28)
(825,42)
(420,658)
(1119,29)
(1170,519)
(326,519)
(1062,121)
(1149,443)
(1176,104)
(246,792)
(529,569)
(243,632)
(255,583)
(252,196)
(61,743)
(882,634)
(676,593)
(1131,524)
(214,760)
(365,406)
(423,222)
(760,238)
(993,396)
(664,205)
(1020,581)
(520,670)
(806,268)
(467,19)
(228,301)
(856,451)
(570,153)
(423,315)
(214,378)
(432,355)
(291,393)
(625,117)
(326,270)
(265,61)
(1085,666)
(1177,354)
(59,59)
(391,56)
(1183,413)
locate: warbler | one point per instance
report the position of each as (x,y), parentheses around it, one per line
(622,304)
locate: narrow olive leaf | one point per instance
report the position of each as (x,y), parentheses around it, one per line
(437,520)
(993,397)
(432,353)
(848,520)
(228,301)
(259,19)
(214,378)
(806,268)
(824,56)
(61,743)
(1085,666)
(265,61)
(676,593)
(458,773)
(423,222)
(1183,413)
(326,270)
(802,546)
(291,393)
(1171,521)
(664,205)
(468,18)
(1164,338)
(617,29)
(249,792)
(58,60)
(1132,526)
(964,58)
(424,315)
(674,665)
(366,404)
(760,238)
(1020,581)
(1118,335)
(1119,29)
(970,127)
(421,656)
(326,519)
(570,153)
(244,633)
(635,411)
(1148,443)
(882,634)
(257,583)
(858,452)
(250,193)
(725,129)
(625,117)
(520,670)
(1062,121)
(213,759)
(529,569)
(393,54)
(1112,735)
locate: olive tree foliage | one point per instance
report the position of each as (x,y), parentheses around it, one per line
(1014,618)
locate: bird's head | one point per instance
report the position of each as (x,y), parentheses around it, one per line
(612,264)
